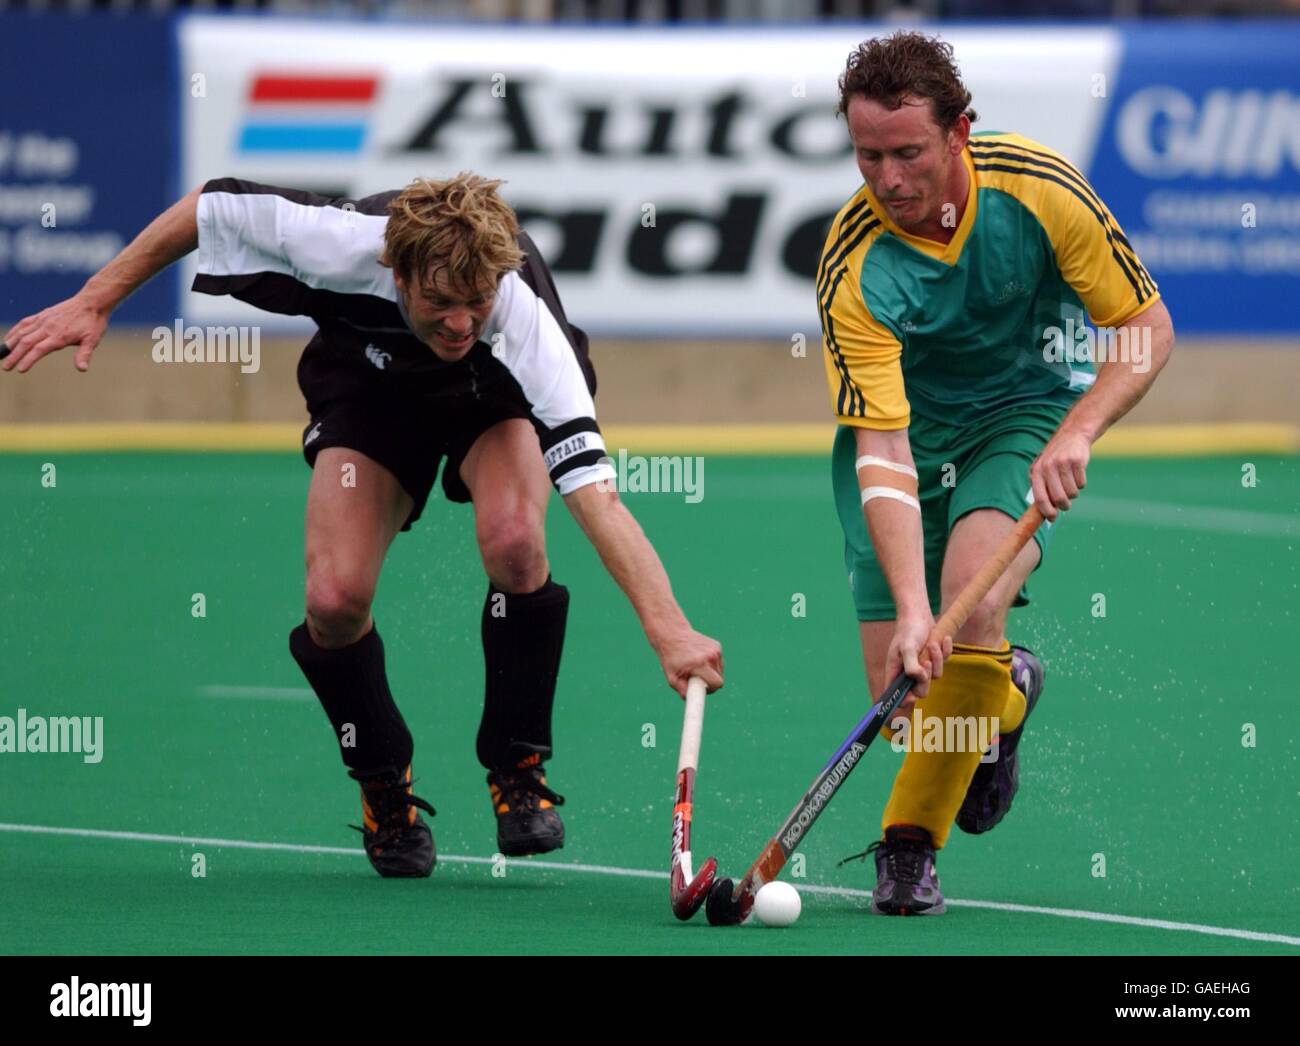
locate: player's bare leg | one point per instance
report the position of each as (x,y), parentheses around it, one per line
(968,548)
(993,784)
(355,508)
(875,637)
(349,530)
(523,633)
(968,545)
(932,787)
(507,478)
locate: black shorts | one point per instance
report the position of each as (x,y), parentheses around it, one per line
(407,422)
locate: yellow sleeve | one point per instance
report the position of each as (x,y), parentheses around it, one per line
(863,361)
(1094,255)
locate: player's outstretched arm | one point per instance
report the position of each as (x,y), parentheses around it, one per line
(633,563)
(82,319)
(1060,471)
(888,484)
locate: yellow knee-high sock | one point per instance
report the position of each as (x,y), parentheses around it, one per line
(1013,712)
(957,718)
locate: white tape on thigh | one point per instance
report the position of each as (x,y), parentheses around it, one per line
(890,492)
(885,463)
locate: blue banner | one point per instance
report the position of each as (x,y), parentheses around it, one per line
(88,153)
(1199,159)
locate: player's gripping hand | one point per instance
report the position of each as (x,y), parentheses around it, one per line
(72,322)
(912,651)
(685,653)
(1060,472)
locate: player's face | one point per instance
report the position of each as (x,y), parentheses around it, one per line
(446,318)
(905,158)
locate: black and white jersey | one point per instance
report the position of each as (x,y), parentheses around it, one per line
(300,254)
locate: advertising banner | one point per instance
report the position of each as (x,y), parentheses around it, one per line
(88,152)
(679,182)
(1201,151)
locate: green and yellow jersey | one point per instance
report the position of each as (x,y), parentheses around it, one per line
(953,332)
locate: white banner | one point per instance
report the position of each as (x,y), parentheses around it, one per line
(677,181)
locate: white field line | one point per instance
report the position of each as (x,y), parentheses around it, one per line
(638,873)
(1187,517)
(1088,508)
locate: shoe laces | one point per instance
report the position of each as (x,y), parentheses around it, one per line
(904,858)
(524,788)
(389,800)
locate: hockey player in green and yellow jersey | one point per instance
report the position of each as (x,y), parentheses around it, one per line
(953,291)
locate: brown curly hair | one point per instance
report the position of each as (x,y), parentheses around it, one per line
(459,225)
(887,68)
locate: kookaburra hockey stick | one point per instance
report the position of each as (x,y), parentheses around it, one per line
(730,904)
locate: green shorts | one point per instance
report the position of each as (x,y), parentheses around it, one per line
(959,470)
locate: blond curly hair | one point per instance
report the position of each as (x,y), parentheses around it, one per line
(459,226)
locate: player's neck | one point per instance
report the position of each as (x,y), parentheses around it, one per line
(943,225)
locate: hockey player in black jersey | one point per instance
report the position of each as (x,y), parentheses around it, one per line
(440,337)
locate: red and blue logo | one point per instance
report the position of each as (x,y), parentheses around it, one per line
(297,113)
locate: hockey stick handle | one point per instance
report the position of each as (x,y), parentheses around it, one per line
(692,725)
(688,889)
(951,620)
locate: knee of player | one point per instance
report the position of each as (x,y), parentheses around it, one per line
(513,546)
(985,624)
(334,598)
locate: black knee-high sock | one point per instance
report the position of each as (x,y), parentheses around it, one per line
(523,637)
(353,687)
